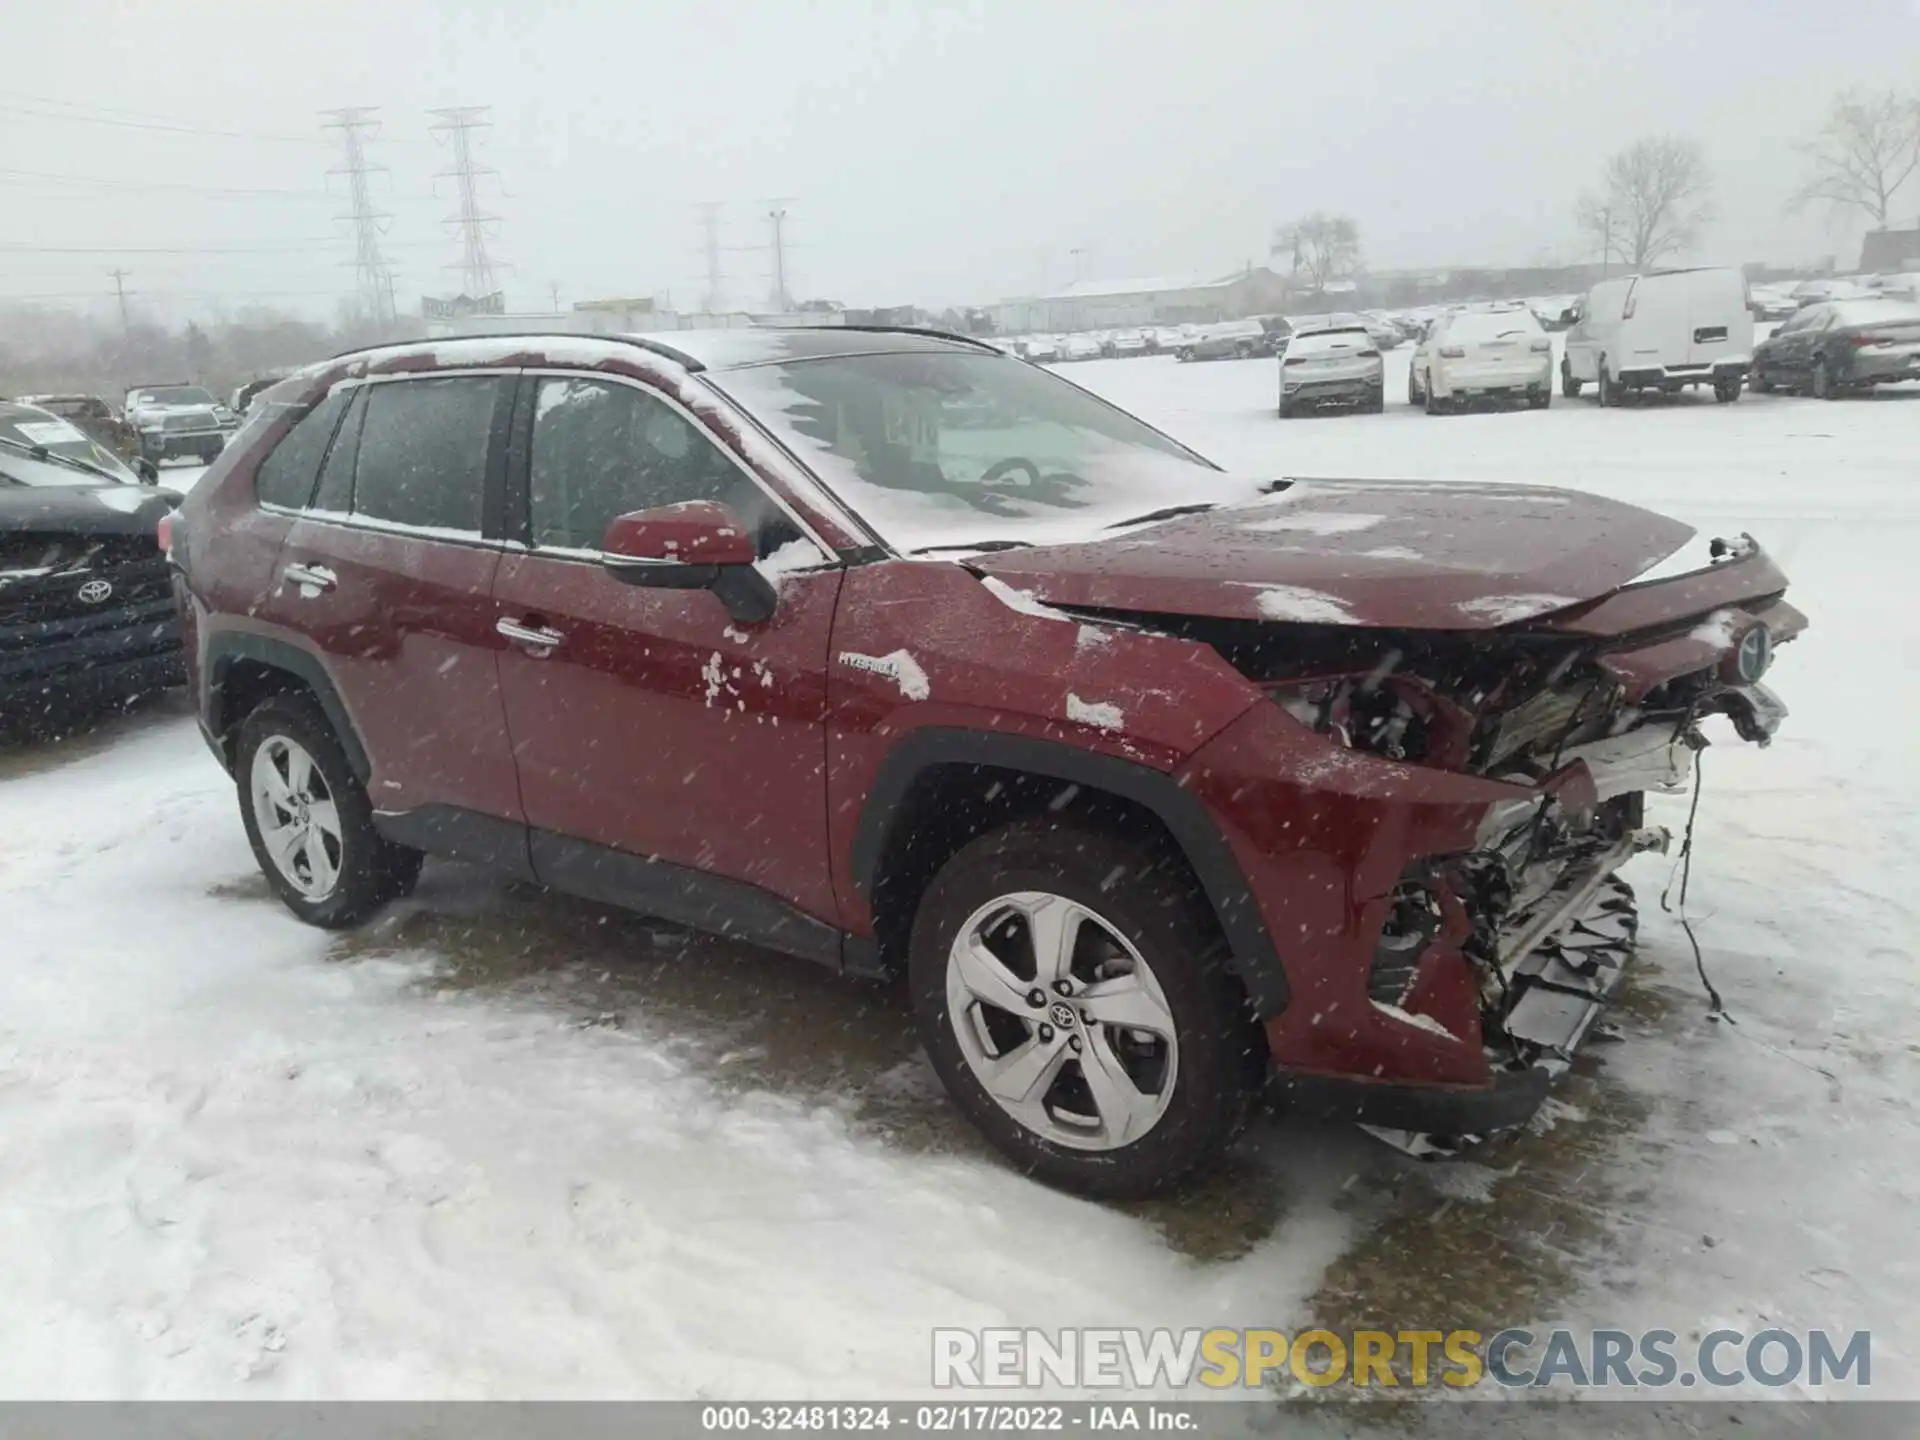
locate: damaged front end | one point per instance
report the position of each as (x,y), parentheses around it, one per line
(1513,941)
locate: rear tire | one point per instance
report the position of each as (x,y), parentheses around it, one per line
(1540,399)
(1569,386)
(1758,380)
(1414,397)
(1823,386)
(322,855)
(1608,389)
(1435,405)
(1100,1120)
(1727,391)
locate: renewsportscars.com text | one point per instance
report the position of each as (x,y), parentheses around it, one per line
(1515,1358)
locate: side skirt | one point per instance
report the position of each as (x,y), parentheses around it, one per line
(642,883)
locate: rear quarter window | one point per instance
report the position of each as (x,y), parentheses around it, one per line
(286,477)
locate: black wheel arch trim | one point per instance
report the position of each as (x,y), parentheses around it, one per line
(224,648)
(1193,829)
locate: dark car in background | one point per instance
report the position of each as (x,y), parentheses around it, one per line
(38,427)
(1841,347)
(86,608)
(96,417)
(1228,340)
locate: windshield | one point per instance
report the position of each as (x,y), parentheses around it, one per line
(1326,342)
(1498,325)
(18,468)
(1876,312)
(173,395)
(61,438)
(954,449)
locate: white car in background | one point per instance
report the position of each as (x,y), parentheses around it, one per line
(1332,367)
(1482,355)
(1038,348)
(1079,347)
(1127,342)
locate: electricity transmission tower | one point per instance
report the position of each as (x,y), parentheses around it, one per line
(780,300)
(459,123)
(713,301)
(373,280)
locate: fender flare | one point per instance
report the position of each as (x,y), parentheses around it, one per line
(1254,962)
(228,646)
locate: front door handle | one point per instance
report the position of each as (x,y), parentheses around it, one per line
(311,578)
(534,638)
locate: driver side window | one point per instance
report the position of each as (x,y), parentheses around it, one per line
(602,449)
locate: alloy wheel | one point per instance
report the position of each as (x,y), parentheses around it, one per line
(1062,1021)
(299,822)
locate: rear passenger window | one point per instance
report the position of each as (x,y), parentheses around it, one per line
(423,451)
(286,476)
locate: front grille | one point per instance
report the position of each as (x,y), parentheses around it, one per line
(172,423)
(78,603)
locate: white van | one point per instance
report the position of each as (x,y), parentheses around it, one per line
(1661,331)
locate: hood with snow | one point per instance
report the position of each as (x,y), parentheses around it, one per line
(1385,554)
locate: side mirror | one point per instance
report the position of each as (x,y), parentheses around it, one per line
(698,545)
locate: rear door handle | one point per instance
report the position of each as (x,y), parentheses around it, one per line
(311,577)
(533,637)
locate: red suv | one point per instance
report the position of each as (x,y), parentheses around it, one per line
(896,653)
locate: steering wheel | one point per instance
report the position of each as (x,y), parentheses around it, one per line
(1000,469)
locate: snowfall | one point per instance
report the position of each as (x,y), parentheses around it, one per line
(503,1144)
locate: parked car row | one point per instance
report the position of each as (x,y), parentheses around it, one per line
(1661,332)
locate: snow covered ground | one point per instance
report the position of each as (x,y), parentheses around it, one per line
(507,1144)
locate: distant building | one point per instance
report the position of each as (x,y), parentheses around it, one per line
(1167,300)
(1890,250)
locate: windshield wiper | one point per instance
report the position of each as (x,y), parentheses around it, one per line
(1167,514)
(54,457)
(976,545)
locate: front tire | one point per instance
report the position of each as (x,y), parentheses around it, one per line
(1608,390)
(1727,392)
(1072,991)
(309,820)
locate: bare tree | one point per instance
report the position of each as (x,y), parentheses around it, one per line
(1867,148)
(1654,196)
(1324,247)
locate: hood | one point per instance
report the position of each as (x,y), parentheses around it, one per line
(83,509)
(1375,553)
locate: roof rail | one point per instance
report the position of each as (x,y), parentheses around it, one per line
(975,341)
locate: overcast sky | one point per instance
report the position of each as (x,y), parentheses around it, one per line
(934,152)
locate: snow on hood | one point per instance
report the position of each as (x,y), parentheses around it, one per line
(1373,553)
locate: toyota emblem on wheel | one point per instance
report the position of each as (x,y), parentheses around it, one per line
(95,591)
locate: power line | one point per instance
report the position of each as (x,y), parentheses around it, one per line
(356,126)
(20,247)
(103,183)
(159,126)
(458,123)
